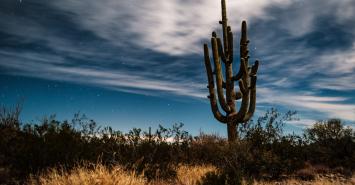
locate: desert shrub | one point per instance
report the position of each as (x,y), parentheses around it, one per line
(267,153)
(331,143)
(305,174)
(224,177)
(154,155)
(261,152)
(207,149)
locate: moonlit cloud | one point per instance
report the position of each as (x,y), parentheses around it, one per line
(113,79)
(302,122)
(332,107)
(174,27)
(306,48)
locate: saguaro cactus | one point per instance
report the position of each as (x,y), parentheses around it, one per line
(224,85)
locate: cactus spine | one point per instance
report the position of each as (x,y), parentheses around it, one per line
(224,85)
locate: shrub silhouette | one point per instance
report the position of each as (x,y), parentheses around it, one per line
(331,143)
(221,178)
(261,152)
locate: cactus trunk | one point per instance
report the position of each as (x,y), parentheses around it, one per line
(221,87)
(232,132)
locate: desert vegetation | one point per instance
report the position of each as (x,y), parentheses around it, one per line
(38,153)
(186,175)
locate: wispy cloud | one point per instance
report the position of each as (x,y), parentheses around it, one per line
(303,122)
(324,106)
(340,69)
(154,47)
(113,79)
(175,27)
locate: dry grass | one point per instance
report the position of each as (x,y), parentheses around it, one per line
(318,181)
(190,175)
(99,175)
(186,175)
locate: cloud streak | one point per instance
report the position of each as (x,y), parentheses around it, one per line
(154,47)
(326,106)
(175,27)
(36,66)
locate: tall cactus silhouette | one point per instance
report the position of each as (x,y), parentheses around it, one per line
(246,77)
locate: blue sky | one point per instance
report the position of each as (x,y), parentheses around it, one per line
(140,63)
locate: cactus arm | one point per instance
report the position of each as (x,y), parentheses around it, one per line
(242,88)
(220,50)
(253,77)
(229,72)
(252,99)
(230,45)
(254,68)
(243,69)
(238,95)
(244,81)
(244,43)
(243,53)
(230,93)
(213,101)
(239,116)
(219,76)
(230,87)
(224,26)
(238,76)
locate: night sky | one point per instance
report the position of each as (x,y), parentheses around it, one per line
(139,63)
